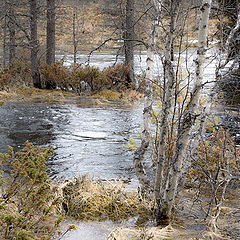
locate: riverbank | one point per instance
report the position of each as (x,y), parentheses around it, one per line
(87,201)
(101,98)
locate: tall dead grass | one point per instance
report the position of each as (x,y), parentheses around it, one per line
(88,199)
(152,233)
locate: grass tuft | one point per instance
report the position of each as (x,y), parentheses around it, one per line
(151,233)
(88,199)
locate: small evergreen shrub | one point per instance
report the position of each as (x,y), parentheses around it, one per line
(117,76)
(18,73)
(56,75)
(27,199)
(81,79)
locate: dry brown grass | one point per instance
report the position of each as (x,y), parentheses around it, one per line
(34,94)
(127,96)
(153,233)
(88,199)
(107,94)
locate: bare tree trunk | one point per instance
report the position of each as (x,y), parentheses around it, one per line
(12,32)
(147,112)
(34,45)
(5,37)
(50,57)
(74,35)
(190,113)
(159,188)
(128,43)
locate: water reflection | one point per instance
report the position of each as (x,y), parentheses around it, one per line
(20,122)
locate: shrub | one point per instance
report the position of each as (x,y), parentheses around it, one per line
(18,73)
(79,79)
(55,75)
(27,200)
(117,76)
(218,156)
(91,76)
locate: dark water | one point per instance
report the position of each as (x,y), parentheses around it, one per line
(86,138)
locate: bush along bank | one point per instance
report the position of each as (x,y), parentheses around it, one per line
(109,84)
(32,206)
(28,200)
(75,78)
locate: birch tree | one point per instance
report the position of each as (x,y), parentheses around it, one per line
(176,120)
(148,101)
(166,194)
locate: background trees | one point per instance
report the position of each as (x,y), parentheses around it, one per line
(176,87)
(34,45)
(128,41)
(50,54)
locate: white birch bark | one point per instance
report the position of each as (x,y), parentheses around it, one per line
(190,113)
(147,112)
(168,93)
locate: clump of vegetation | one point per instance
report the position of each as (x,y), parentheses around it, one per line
(80,79)
(55,75)
(88,199)
(27,198)
(16,74)
(107,94)
(218,156)
(109,84)
(153,233)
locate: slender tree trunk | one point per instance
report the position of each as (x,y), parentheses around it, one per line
(34,45)
(162,174)
(12,32)
(5,37)
(74,35)
(50,57)
(190,113)
(128,43)
(147,112)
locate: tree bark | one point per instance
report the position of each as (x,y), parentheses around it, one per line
(162,173)
(74,35)
(5,36)
(50,56)
(34,45)
(12,32)
(190,113)
(128,42)
(147,112)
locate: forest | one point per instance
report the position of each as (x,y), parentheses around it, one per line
(119,119)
